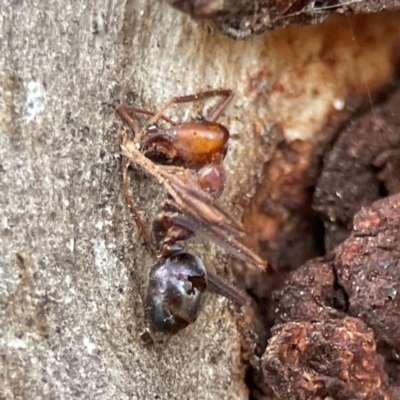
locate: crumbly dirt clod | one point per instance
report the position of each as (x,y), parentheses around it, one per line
(337,333)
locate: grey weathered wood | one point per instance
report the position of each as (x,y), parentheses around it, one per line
(72,266)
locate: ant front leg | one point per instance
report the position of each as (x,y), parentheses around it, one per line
(218,109)
(124,111)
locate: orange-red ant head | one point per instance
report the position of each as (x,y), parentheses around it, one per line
(191,145)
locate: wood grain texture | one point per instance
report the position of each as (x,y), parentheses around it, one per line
(73,269)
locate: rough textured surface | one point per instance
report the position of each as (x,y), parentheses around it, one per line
(361,167)
(332,71)
(367,267)
(310,295)
(241,19)
(331,359)
(337,326)
(72,267)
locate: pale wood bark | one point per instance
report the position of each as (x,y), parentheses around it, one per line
(72,267)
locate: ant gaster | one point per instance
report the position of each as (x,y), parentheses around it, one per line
(187,160)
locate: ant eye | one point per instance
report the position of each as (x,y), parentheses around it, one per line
(151,128)
(175,294)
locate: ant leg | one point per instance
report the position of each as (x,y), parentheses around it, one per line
(226,289)
(172,169)
(131,204)
(123,111)
(194,97)
(220,108)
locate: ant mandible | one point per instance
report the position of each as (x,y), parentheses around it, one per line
(187,160)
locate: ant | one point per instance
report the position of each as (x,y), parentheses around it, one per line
(186,159)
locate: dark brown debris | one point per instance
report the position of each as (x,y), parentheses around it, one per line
(338,319)
(310,295)
(368,268)
(243,18)
(362,166)
(330,359)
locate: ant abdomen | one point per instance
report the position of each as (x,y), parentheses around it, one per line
(175,292)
